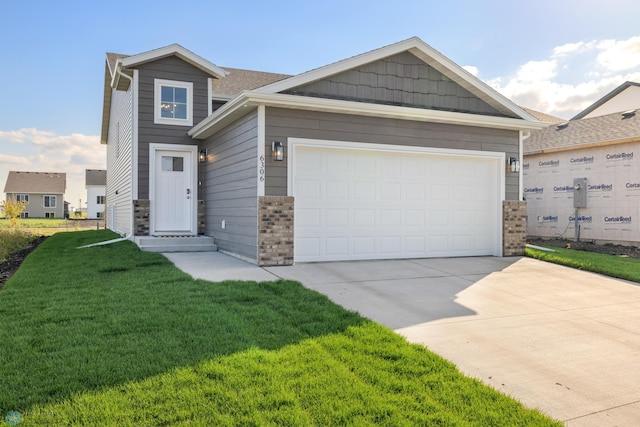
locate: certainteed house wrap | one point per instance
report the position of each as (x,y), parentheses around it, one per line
(395,153)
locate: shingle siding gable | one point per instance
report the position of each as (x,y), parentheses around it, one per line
(401,79)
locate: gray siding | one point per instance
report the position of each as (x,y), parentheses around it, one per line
(284,123)
(401,79)
(119,163)
(230,188)
(171,68)
(35,207)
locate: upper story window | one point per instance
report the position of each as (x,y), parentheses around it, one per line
(100,200)
(173,102)
(22,197)
(49,201)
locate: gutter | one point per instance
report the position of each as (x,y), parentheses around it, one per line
(252,99)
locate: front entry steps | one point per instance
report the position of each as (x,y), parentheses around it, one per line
(176,243)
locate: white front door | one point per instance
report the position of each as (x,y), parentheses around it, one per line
(173,194)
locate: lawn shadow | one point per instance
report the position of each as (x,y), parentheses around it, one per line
(73,321)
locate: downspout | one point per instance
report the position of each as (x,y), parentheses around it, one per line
(524,134)
(106,242)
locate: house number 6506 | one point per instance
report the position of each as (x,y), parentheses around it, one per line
(262,168)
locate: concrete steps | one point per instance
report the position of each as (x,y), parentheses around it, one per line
(176,244)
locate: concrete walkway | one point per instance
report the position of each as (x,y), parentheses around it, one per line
(561,340)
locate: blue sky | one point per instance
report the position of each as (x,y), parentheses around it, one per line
(555,56)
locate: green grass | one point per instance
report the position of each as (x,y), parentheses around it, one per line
(110,335)
(12,240)
(34,223)
(47,227)
(609,265)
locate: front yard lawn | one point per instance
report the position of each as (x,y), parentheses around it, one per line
(110,335)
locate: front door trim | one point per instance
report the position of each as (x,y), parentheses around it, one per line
(193,166)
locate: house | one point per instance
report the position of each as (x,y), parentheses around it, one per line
(96,185)
(394,153)
(583,172)
(43,192)
(624,97)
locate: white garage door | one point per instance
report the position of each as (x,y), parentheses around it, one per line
(353,204)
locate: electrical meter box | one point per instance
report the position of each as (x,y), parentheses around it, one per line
(580,193)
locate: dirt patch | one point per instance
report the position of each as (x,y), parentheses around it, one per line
(9,266)
(610,249)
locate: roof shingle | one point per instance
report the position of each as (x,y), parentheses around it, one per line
(36,182)
(601,130)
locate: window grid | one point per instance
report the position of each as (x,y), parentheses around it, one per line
(49,201)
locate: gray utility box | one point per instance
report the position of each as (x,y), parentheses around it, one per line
(580,193)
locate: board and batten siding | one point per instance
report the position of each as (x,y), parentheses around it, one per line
(171,68)
(401,79)
(285,123)
(119,163)
(230,188)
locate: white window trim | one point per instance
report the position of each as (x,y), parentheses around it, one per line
(157,115)
(55,199)
(25,197)
(50,215)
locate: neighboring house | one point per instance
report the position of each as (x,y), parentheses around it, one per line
(43,192)
(623,98)
(600,153)
(96,185)
(395,153)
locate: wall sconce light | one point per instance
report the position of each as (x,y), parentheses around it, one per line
(202,155)
(277,151)
(515,164)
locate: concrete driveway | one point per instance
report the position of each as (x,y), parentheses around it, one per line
(561,340)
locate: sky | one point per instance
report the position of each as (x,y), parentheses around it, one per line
(556,56)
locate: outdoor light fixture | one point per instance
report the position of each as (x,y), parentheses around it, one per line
(515,164)
(202,155)
(277,151)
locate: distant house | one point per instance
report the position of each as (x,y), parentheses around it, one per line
(394,153)
(624,97)
(96,184)
(588,166)
(43,192)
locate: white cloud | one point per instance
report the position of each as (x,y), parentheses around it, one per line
(573,77)
(619,55)
(44,151)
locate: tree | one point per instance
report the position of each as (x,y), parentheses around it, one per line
(13,209)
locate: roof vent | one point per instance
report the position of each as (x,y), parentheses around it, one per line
(562,126)
(628,114)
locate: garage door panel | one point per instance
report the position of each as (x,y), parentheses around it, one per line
(336,190)
(390,217)
(307,218)
(337,246)
(369,204)
(390,245)
(337,217)
(364,245)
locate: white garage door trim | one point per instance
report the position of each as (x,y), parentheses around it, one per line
(496,162)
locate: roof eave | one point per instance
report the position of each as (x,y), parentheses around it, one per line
(583,146)
(238,105)
(179,51)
